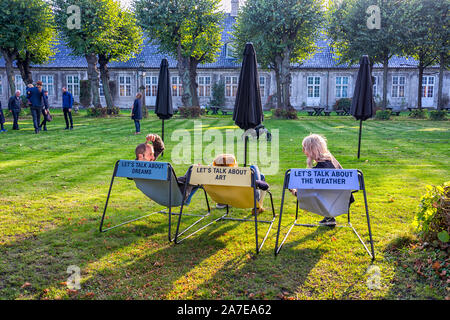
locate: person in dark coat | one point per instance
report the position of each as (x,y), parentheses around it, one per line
(15,106)
(44,112)
(2,119)
(136,113)
(67,107)
(36,98)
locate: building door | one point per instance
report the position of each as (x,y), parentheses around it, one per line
(313,88)
(427,91)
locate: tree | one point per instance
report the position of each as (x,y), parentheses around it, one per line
(282,32)
(352,38)
(27,36)
(189,30)
(96,31)
(124,42)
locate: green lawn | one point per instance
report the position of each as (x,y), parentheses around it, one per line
(53,187)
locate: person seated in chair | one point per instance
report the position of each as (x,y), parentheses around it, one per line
(318,156)
(229,160)
(151,152)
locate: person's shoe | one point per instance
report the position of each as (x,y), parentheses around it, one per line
(221,206)
(45,128)
(66,128)
(71,128)
(259,210)
(36,131)
(327,221)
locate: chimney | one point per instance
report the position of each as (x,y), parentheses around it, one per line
(234,8)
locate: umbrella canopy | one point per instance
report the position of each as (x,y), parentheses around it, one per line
(362,101)
(164,108)
(248,112)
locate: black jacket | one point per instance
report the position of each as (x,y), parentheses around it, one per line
(137,110)
(14,104)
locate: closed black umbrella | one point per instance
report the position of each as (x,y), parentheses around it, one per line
(248,112)
(164,108)
(362,102)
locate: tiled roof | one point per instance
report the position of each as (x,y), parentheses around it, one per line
(323,58)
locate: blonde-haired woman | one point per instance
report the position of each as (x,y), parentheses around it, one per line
(318,156)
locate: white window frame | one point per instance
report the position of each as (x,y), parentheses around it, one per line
(231,86)
(376,84)
(204,86)
(177,86)
(398,88)
(262,86)
(72,86)
(48,86)
(314,86)
(20,85)
(151,86)
(342,87)
(428,86)
(229,50)
(124,85)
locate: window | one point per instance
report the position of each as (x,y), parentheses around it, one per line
(125,86)
(204,86)
(313,87)
(231,85)
(427,86)
(20,85)
(48,84)
(341,87)
(151,86)
(101,90)
(73,85)
(1,86)
(398,87)
(262,86)
(376,84)
(229,50)
(177,87)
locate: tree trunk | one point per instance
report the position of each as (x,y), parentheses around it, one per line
(193,63)
(441,79)
(278,80)
(24,67)
(385,80)
(185,81)
(419,86)
(286,79)
(9,58)
(93,76)
(104,75)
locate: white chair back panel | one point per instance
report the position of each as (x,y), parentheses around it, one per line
(327,203)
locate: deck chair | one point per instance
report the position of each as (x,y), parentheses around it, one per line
(327,200)
(158,181)
(235,187)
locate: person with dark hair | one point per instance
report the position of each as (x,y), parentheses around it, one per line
(45,111)
(15,106)
(36,98)
(136,113)
(67,104)
(2,119)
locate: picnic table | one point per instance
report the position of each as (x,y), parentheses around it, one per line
(317,111)
(343,112)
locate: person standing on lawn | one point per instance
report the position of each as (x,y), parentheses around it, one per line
(2,119)
(45,111)
(67,108)
(136,113)
(15,106)
(36,98)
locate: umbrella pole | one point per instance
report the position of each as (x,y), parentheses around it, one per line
(245,151)
(359,141)
(162,136)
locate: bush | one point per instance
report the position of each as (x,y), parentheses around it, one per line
(438,115)
(191,112)
(383,115)
(418,114)
(280,113)
(343,104)
(96,112)
(432,222)
(113,111)
(218,94)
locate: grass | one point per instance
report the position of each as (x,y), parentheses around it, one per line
(54,185)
